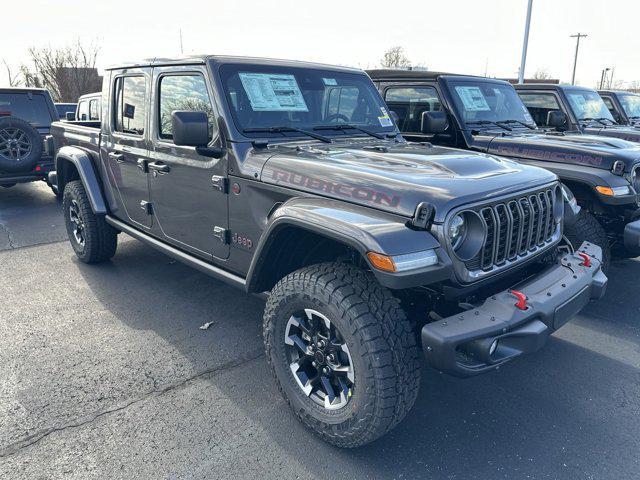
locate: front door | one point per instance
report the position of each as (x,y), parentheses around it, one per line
(188,190)
(127,146)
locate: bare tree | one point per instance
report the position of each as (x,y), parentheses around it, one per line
(395,58)
(66,72)
(14,79)
(542,74)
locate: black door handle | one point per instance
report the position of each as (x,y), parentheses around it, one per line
(159,167)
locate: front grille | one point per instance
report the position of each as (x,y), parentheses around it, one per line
(515,228)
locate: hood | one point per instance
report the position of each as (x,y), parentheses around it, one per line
(577,149)
(629,133)
(396,177)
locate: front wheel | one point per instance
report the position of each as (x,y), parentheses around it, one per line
(588,229)
(91,237)
(342,351)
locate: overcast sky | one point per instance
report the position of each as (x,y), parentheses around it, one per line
(462,36)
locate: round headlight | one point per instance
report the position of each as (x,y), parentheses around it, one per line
(457,229)
(466,234)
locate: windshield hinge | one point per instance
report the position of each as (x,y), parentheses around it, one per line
(423,216)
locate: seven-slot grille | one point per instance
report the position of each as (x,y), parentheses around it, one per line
(515,228)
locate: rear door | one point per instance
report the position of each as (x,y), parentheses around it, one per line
(188,190)
(127,145)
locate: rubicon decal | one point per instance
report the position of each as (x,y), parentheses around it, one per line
(539,154)
(360,193)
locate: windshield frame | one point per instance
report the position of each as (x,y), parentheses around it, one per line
(222,71)
(569,91)
(456,104)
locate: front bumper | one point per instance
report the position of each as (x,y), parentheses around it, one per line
(460,345)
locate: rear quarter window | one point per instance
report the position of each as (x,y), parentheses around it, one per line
(31,107)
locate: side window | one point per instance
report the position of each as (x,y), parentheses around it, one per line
(83,111)
(342,102)
(607,101)
(130,107)
(94,110)
(409,103)
(183,92)
(539,105)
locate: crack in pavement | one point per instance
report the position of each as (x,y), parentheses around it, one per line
(5,229)
(32,439)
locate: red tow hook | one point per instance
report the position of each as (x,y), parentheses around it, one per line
(586,259)
(522,299)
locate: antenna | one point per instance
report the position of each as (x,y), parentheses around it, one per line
(181,46)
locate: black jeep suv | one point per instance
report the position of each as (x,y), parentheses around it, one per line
(25,119)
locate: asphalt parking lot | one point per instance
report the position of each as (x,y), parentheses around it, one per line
(106,374)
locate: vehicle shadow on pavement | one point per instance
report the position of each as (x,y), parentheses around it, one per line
(560,413)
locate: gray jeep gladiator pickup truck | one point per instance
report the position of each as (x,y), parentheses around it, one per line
(623,106)
(573,109)
(487,115)
(290,180)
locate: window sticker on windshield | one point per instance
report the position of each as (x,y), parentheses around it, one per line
(385,121)
(472,99)
(527,115)
(273,92)
(330,81)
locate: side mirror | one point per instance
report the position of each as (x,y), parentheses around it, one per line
(190,129)
(433,122)
(70,116)
(557,119)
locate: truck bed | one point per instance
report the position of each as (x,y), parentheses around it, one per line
(84,134)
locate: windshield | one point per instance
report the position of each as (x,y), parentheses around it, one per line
(32,108)
(631,104)
(587,105)
(263,97)
(478,101)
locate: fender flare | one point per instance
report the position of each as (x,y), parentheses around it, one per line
(361,228)
(83,163)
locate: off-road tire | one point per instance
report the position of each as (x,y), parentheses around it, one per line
(587,228)
(100,238)
(379,336)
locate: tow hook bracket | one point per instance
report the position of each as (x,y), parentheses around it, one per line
(522,299)
(586,259)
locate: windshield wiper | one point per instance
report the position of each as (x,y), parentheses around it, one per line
(600,120)
(350,126)
(530,127)
(285,129)
(489,122)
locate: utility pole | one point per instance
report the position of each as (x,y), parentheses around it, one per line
(603,77)
(577,36)
(181,47)
(525,43)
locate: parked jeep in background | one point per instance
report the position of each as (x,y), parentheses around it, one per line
(88,108)
(624,106)
(573,109)
(64,109)
(487,115)
(25,119)
(290,180)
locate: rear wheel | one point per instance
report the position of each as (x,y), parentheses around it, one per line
(587,228)
(91,237)
(342,351)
